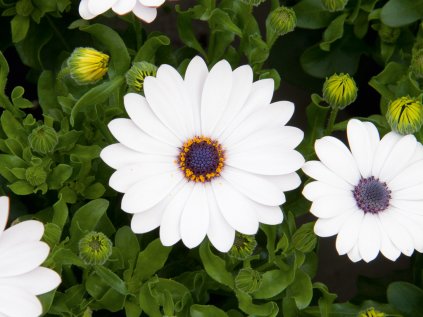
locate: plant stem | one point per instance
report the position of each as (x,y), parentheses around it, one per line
(275,4)
(331,122)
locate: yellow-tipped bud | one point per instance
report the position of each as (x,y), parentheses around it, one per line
(87,65)
(334,5)
(371,312)
(137,73)
(340,90)
(405,115)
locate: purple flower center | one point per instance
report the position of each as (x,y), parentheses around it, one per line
(372,195)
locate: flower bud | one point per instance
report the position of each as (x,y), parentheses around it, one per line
(371,312)
(243,247)
(340,90)
(304,239)
(248,280)
(334,5)
(43,139)
(87,65)
(35,175)
(405,115)
(387,34)
(417,63)
(282,20)
(95,248)
(137,73)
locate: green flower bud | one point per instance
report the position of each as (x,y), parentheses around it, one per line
(243,247)
(248,280)
(304,239)
(35,175)
(253,2)
(340,90)
(282,20)
(95,248)
(387,34)
(137,73)
(371,312)
(405,115)
(87,65)
(417,63)
(334,5)
(43,139)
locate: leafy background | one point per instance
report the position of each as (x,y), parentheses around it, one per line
(64,183)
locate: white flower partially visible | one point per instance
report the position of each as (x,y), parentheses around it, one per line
(21,277)
(143,9)
(371,196)
(204,155)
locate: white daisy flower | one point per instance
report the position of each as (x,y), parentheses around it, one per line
(370,197)
(21,277)
(208,154)
(143,9)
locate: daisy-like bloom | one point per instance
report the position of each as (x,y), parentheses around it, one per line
(21,277)
(405,115)
(143,9)
(371,196)
(208,154)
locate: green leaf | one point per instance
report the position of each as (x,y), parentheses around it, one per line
(111,279)
(269,309)
(206,311)
(21,188)
(274,282)
(334,31)
(20,27)
(150,260)
(407,298)
(221,21)
(128,244)
(45,89)
(301,289)
(52,233)
(4,71)
(215,266)
(396,13)
(61,212)
(94,191)
(147,52)
(311,14)
(119,56)
(59,175)
(186,33)
(96,95)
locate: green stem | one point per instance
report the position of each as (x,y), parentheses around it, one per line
(105,131)
(331,122)
(58,34)
(136,24)
(275,4)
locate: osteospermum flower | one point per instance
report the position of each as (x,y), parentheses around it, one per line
(371,196)
(208,154)
(21,277)
(143,9)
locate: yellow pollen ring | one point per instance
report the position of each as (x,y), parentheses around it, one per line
(189,173)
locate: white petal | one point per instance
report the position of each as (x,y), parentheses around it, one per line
(369,241)
(149,191)
(175,89)
(413,224)
(195,217)
(215,97)
(269,215)
(254,187)
(348,234)
(22,258)
(410,176)
(241,87)
(354,254)
(100,6)
(387,248)
(362,145)
(152,3)
(332,206)
(123,6)
(336,156)
(146,14)
(237,209)
(327,227)
(317,189)
(397,233)
(125,177)
(150,219)
(127,133)
(18,302)
(4,212)
(398,158)
(285,182)
(29,230)
(220,233)
(140,112)
(409,206)
(408,193)
(266,160)
(195,76)
(320,172)
(383,149)
(38,281)
(84,12)
(170,225)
